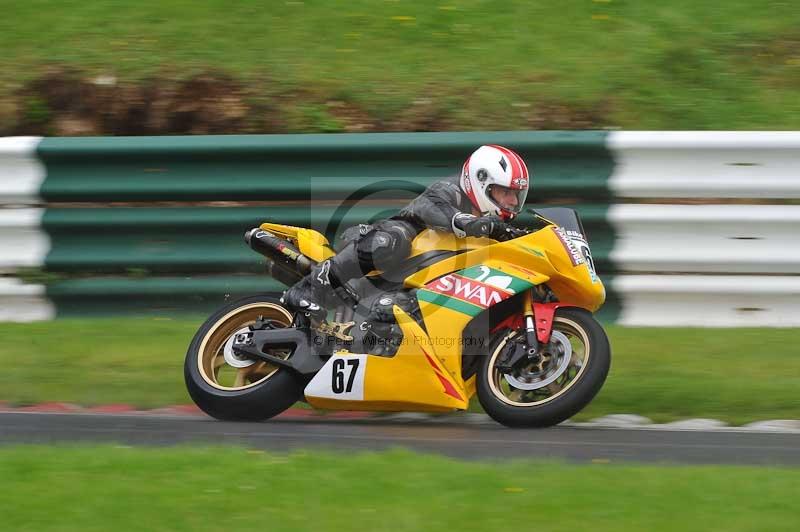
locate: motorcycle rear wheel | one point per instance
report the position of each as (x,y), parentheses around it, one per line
(571,371)
(231,388)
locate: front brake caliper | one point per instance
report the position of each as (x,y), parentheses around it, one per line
(514,351)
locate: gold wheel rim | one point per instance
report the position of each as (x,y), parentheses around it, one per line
(210,357)
(573,331)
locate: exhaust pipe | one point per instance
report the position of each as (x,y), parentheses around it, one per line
(285,263)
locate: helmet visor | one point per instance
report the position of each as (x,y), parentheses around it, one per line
(508,199)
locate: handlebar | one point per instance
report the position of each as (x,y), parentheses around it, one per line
(516,232)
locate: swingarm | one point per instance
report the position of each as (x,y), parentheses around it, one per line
(307,348)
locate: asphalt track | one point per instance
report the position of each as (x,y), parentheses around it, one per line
(466,441)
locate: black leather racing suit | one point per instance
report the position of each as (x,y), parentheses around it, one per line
(436,206)
(384,245)
(387,243)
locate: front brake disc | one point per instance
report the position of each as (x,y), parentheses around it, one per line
(560,349)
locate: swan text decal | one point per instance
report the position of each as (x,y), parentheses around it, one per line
(472,290)
(469,290)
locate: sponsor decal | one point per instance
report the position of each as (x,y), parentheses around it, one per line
(472,290)
(579,241)
(578,249)
(282,248)
(520,182)
(288,252)
(482,294)
(575,235)
(575,256)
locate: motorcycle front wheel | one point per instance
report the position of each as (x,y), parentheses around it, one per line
(228,387)
(556,385)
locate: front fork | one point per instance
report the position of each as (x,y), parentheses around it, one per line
(531,338)
(538,323)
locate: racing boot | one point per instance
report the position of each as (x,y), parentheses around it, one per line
(310,293)
(313,293)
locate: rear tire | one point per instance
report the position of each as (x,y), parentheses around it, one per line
(525,398)
(246,390)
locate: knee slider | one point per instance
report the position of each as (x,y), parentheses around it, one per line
(376,241)
(384,247)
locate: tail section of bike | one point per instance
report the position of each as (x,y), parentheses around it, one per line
(309,242)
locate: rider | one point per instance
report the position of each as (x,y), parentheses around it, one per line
(489,192)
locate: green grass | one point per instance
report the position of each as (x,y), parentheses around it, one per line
(737,375)
(96,361)
(678,64)
(197,489)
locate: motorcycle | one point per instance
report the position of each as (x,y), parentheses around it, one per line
(509,321)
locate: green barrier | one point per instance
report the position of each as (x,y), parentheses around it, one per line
(195,294)
(303,167)
(326,182)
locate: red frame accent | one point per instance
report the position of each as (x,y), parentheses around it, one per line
(543,319)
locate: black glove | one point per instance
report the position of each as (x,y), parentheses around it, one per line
(488,226)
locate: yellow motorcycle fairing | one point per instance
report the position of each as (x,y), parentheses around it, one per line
(412,380)
(425,373)
(538,257)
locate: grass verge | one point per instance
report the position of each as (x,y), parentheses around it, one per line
(197,489)
(737,375)
(475,65)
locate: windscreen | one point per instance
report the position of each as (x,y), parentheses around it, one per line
(564,217)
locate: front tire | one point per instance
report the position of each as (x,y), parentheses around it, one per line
(572,369)
(228,387)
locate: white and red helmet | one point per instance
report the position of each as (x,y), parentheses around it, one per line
(495,166)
